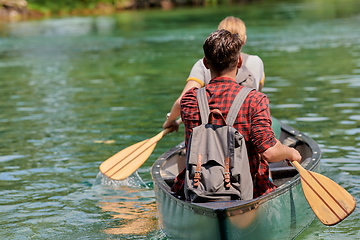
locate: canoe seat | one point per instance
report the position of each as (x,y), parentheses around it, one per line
(167,175)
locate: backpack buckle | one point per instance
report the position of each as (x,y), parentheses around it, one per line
(198,171)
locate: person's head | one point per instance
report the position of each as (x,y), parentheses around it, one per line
(222,51)
(235,26)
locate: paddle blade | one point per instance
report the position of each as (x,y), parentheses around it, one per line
(127,161)
(330,202)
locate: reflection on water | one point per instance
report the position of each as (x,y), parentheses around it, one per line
(136,219)
(132,209)
(75,91)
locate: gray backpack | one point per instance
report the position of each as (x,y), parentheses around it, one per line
(217,164)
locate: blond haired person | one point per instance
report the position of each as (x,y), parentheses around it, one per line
(251,74)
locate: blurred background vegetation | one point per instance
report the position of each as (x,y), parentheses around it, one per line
(20,9)
(15,10)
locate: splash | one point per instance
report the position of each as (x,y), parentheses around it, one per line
(133,180)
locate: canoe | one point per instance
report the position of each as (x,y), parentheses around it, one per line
(281,214)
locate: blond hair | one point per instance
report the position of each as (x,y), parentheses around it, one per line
(235,26)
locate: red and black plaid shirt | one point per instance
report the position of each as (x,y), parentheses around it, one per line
(253,122)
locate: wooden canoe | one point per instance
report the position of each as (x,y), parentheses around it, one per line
(281,214)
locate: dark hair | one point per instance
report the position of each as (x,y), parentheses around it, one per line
(222,50)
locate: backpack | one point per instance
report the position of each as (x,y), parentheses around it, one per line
(217,164)
(244,77)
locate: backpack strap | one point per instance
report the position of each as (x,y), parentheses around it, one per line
(203,105)
(235,107)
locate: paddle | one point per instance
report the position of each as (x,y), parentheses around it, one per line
(127,161)
(330,202)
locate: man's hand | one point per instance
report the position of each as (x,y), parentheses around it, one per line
(295,155)
(174,125)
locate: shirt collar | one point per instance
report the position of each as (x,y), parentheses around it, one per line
(222,80)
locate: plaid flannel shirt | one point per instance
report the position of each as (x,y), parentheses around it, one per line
(253,122)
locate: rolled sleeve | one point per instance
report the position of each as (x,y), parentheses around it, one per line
(261,133)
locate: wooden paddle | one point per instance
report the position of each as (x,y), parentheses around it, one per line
(127,161)
(330,202)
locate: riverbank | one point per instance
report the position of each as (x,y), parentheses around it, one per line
(18,10)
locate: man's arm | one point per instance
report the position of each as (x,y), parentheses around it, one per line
(270,149)
(280,152)
(196,79)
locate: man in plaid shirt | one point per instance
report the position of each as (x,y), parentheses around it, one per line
(222,57)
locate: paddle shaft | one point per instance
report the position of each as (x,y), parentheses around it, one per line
(141,147)
(127,161)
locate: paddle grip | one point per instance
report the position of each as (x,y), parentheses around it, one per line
(168,130)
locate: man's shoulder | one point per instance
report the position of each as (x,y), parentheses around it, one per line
(199,73)
(255,92)
(199,64)
(257,95)
(251,58)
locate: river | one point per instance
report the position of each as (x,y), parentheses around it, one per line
(76,90)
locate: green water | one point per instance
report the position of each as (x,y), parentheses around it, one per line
(68,84)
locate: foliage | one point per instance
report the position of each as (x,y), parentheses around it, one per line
(60,5)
